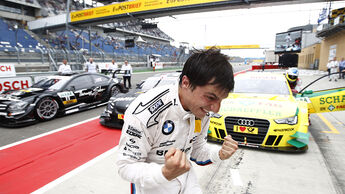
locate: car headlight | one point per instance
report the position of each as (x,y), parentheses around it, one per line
(289,120)
(112,98)
(18,106)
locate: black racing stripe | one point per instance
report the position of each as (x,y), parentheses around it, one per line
(270,139)
(217,132)
(222,133)
(278,140)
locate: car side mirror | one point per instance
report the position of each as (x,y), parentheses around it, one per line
(307,92)
(72,88)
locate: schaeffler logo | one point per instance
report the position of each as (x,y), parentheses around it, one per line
(331,108)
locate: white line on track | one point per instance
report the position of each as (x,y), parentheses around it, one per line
(45,134)
(74,172)
(236,178)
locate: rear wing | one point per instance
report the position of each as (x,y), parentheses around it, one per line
(120,72)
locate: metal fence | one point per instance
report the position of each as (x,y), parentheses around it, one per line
(49,59)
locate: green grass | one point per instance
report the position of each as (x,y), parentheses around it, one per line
(157,70)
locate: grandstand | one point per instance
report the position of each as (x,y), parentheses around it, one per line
(43,49)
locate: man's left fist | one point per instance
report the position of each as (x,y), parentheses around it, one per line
(228,148)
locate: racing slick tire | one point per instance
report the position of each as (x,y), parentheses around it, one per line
(114,91)
(46,109)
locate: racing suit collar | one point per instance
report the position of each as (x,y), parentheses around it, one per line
(180,110)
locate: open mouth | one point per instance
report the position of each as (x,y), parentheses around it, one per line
(204,110)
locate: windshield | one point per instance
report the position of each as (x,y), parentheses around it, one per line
(261,86)
(149,83)
(154,82)
(166,82)
(50,83)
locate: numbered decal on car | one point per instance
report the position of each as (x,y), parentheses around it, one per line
(67,97)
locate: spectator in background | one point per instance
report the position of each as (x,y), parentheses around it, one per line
(287,40)
(293,80)
(64,68)
(328,69)
(113,66)
(263,66)
(342,68)
(333,65)
(128,73)
(91,66)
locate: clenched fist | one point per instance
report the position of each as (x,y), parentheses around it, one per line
(176,163)
(228,148)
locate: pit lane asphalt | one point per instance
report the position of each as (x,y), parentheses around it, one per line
(319,170)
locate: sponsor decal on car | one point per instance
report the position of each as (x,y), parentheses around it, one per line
(246,129)
(283,130)
(305,99)
(332,99)
(331,107)
(121,116)
(253,110)
(67,97)
(215,123)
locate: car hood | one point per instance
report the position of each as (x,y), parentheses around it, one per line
(259,106)
(122,101)
(11,95)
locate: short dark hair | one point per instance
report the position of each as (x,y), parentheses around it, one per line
(204,66)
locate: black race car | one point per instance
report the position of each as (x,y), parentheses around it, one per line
(56,95)
(114,112)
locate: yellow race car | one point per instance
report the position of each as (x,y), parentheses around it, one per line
(262,112)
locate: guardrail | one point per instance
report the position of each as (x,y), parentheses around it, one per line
(26,79)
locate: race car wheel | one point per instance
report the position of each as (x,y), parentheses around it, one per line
(114,91)
(47,108)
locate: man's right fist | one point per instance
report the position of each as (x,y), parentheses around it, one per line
(176,164)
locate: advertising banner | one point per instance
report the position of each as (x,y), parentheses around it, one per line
(132,6)
(15,83)
(7,70)
(251,46)
(158,65)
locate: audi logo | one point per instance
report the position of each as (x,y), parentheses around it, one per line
(245,122)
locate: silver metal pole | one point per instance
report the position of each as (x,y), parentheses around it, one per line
(67,30)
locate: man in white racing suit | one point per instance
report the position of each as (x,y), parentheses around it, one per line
(162,134)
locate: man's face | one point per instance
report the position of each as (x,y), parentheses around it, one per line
(202,99)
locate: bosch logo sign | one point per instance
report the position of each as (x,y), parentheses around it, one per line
(245,122)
